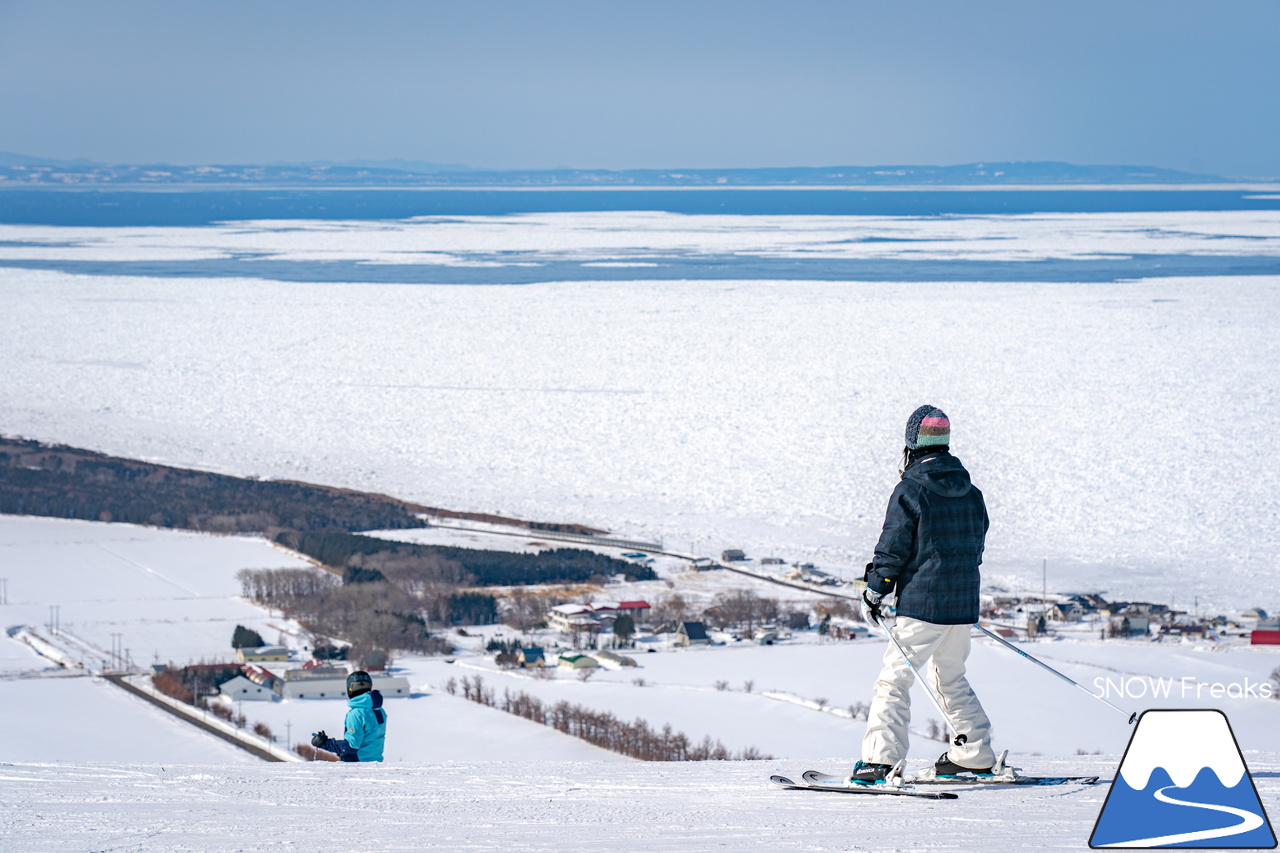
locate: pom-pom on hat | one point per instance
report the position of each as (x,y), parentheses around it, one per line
(928,426)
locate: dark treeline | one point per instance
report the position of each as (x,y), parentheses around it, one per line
(411,562)
(637,739)
(67,482)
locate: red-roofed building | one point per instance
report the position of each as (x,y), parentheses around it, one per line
(1264,638)
(635,609)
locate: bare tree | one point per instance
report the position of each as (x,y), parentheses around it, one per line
(524,611)
(842,607)
(672,609)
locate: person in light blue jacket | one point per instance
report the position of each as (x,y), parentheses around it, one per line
(365,728)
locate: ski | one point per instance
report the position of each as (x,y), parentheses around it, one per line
(996,781)
(1000,774)
(838,785)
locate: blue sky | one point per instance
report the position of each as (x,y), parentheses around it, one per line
(648,84)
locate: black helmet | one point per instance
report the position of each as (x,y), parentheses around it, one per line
(358,682)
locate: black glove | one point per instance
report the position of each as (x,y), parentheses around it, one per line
(319,739)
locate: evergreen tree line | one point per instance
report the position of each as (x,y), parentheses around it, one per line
(636,739)
(424,564)
(67,482)
(246,638)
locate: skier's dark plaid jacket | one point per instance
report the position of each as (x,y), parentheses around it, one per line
(932,541)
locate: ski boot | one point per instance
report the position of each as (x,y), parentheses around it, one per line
(876,774)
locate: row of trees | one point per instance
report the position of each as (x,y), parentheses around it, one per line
(68,482)
(739,608)
(190,683)
(412,564)
(370,614)
(637,739)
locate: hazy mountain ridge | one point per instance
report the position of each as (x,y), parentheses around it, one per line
(23,171)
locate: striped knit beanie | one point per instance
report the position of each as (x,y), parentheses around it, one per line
(928,427)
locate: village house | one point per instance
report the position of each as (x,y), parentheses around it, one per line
(530,657)
(1267,633)
(330,682)
(572,618)
(1198,632)
(262,653)
(637,610)
(605,613)
(692,634)
(241,689)
(263,678)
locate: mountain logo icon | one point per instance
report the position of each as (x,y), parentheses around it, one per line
(1183,783)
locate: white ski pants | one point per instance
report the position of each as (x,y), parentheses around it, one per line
(945,648)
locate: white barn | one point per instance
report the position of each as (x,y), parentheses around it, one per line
(241,689)
(390,686)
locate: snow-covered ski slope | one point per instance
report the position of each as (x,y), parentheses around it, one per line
(542,806)
(1114,425)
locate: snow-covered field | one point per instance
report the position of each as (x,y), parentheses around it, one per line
(87,766)
(791,700)
(1118,429)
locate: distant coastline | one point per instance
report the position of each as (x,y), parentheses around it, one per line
(24,171)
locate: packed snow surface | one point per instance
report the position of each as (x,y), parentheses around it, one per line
(544,806)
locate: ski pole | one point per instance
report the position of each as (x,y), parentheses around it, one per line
(1132,716)
(959,738)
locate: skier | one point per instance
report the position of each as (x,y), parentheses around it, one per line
(929,553)
(366,723)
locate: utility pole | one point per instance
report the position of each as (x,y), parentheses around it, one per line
(4,590)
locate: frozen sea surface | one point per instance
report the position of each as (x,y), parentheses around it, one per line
(1118,428)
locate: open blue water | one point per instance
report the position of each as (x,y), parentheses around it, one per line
(202,207)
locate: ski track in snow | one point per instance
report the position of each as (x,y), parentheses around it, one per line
(548,806)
